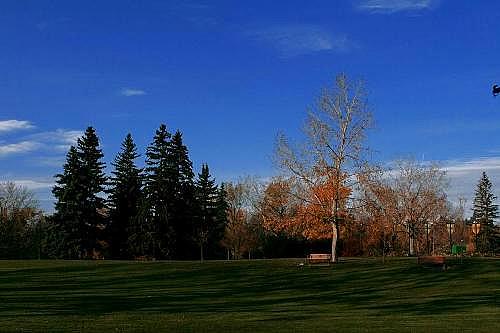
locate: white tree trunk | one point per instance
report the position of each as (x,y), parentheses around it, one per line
(334,242)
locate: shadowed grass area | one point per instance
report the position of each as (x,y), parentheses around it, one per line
(357,295)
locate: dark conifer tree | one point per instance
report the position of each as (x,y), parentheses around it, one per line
(125,197)
(154,214)
(485,212)
(141,233)
(68,211)
(221,221)
(182,197)
(215,247)
(93,181)
(206,217)
(157,190)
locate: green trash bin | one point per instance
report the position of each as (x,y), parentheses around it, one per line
(457,249)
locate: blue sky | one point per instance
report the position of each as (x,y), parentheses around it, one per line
(230,75)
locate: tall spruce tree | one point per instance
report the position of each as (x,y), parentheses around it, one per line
(79,206)
(220,224)
(68,213)
(158,194)
(485,212)
(182,197)
(93,181)
(206,219)
(141,232)
(125,198)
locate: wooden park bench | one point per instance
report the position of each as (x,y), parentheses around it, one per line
(435,261)
(319,258)
(144,258)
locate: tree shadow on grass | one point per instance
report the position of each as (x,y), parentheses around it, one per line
(278,288)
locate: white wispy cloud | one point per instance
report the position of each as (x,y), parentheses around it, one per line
(53,23)
(41,25)
(33,184)
(44,142)
(132,92)
(55,161)
(60,139)
(445,127)
(18,147)
(459,167)
(299,39)
(14,125)
(393,6)
(200,15)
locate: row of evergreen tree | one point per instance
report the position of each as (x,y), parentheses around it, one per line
(160,211)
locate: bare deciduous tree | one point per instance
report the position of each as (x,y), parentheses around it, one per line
(408,199)
(19,217)
(333,151)
(241,234)
(15,199)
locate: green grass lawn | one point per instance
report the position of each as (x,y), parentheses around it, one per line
(357,295)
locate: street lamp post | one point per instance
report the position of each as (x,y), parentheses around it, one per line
(476,227)
(428,229)
(411,239)
(427,236)
(451,225)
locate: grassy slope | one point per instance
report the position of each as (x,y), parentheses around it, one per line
(269,296)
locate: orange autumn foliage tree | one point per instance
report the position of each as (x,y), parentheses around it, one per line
(298,212)
(316,213)
(379,213)
(278,209)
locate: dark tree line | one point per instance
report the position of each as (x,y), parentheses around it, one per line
(165,210)
(161,211)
